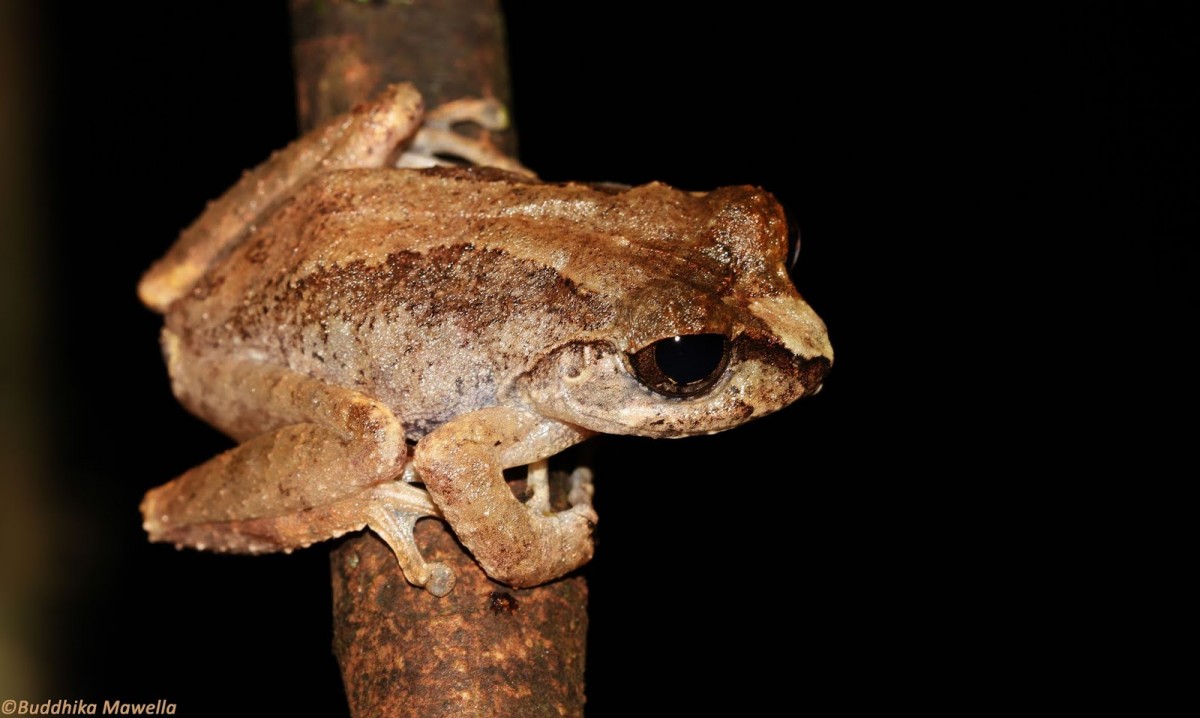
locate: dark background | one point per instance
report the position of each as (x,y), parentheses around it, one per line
(963,187)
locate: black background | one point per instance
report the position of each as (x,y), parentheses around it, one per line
(962,187)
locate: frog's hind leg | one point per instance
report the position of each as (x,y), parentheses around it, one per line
(318,461)
(522,544)
(371,135)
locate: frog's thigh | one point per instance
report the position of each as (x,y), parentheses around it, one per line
(325,464)
(518,544)
(245,399)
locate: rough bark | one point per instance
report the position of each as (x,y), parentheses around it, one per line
(344,52)
(485,649)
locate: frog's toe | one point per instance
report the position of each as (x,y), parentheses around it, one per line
(393,519)
(580,491)
(580,487)
(441,579)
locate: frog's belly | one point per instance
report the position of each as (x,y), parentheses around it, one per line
(426,375)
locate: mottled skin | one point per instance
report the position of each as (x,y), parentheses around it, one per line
(485,317)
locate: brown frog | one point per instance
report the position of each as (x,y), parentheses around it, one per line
(385,340)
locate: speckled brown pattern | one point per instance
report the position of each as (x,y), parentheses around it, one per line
(405,652)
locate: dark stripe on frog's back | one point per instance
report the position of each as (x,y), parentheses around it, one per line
(430,334)
(611,243)
(599,238)
(480,287)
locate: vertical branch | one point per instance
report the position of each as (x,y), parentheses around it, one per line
(485,649)
(347,51)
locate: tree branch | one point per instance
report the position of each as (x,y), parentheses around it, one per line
(485,649)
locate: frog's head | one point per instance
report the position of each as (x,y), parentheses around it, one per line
(706,335)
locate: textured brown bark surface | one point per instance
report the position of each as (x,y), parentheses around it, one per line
(485,649)
(345,52)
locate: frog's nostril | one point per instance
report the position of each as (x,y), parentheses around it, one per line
(812,374)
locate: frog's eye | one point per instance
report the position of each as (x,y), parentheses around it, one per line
(684,365)
(793,255)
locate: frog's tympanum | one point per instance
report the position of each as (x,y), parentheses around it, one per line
(384,337)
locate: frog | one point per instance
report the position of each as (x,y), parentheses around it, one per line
(385,334)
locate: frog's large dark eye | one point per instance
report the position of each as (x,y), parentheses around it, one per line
(685,365)
(793,255)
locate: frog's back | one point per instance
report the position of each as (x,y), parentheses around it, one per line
(432,289)
(369,281)
(366,245)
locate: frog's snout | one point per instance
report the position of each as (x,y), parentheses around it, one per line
(812,374)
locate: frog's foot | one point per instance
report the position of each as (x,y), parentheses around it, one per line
(579,490)
(486,112)
(437,140)
(393,516)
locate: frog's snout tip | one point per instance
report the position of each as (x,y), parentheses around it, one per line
(812,374)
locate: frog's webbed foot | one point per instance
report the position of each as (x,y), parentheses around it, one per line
(579,490)
(437,139)
(393,515)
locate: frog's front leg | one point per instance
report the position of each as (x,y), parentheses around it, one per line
(318,461)
(462,465)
